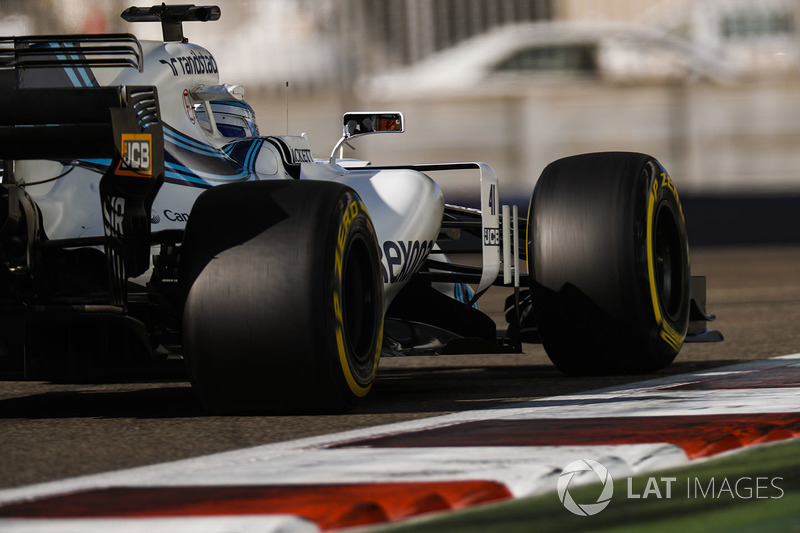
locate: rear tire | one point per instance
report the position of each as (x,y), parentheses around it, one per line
(609,264)
(285,297)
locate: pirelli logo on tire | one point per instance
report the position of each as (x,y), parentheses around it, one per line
(136,155)
(352,210)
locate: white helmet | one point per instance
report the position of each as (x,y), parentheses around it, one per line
(235,119)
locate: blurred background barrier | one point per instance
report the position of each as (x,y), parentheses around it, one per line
(709,87)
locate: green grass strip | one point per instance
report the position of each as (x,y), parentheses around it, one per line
(704,498)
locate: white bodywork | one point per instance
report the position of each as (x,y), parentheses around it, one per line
(406,206)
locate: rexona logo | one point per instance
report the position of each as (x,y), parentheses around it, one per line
(136,160)
(401,260)
(591,508)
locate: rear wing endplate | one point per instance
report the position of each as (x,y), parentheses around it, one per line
(120,124)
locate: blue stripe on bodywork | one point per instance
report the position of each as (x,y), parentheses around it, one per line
(188,143)
(184,155)
(193,174)
(78,76)
(249,161)
(73,78)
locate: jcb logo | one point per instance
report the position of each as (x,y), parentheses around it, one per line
(491,237)
(136,160)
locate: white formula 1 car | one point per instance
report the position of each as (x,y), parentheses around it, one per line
(143,217)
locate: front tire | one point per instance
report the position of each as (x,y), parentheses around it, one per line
(285,306)
(609,264)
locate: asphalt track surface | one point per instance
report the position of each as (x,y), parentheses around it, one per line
(51,431)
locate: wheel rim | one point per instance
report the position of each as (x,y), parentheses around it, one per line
(359,307)
(669,262)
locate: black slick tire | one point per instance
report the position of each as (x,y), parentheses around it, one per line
(284,310)
(609,264)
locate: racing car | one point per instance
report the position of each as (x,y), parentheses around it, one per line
(144,218)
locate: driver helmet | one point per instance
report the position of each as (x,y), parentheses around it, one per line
(235,119)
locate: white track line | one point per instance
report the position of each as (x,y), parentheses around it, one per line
(206,524)
(523,469)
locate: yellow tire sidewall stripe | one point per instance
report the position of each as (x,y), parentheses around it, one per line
(352,210)
(666,332)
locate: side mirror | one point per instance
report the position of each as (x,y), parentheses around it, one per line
(363,123)
(355,124)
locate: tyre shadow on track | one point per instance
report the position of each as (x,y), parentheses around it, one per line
(431,390)
(162,400)
(440,390)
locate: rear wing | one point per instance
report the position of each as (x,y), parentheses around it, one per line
(74,55)
(119,124)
